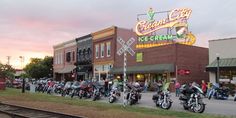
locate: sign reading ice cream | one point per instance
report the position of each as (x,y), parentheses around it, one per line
(176,19)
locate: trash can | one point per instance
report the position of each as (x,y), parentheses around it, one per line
(2,84)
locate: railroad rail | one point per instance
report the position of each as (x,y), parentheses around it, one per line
(16,111)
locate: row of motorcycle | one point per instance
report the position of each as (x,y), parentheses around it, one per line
(191,96)
(83,89)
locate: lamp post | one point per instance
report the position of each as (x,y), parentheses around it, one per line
(218,69)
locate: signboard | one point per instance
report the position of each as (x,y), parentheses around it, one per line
(175,23)
(139,57)
(183,72)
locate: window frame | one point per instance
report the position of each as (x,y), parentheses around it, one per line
(108,47)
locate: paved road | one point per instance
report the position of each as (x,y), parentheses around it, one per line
(221,107)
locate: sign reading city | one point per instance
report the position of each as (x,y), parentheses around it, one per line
(176,20)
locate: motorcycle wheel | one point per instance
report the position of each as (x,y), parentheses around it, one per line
(94,97)
(157,103)
(112,99)
(72,95)
(199,108)
(185,107)
(166,105)
(63,93)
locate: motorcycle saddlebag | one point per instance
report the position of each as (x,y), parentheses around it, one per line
(155,97)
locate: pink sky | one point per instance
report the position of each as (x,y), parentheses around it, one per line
(31,28)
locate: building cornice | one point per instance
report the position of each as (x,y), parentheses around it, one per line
(104,33)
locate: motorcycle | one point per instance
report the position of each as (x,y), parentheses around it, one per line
(235,97)
(85,90)
(219,93)
(114,94)
(58,88)
(75,89)
(191,98)
(134,93)
(162,99)
(67,89)
(97,91)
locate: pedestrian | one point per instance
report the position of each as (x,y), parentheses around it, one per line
(145,85)
(209,87)
(159,85)
(204,87)
(106,87)
(177,88)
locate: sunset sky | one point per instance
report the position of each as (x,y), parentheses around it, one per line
(30,28)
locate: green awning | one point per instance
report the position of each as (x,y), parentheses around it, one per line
(224,63)
(158,68)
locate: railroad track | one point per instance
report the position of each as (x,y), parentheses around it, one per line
(16,111)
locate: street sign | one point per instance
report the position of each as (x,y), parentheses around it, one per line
(125,48)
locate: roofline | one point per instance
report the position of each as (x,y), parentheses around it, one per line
(64,43)
(222,39)
(83,37)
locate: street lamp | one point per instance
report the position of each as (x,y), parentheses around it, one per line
(218,68)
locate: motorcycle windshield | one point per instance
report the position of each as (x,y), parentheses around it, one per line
(198,88)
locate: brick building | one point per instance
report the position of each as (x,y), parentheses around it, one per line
(64,60)
(104,49)
(168,62)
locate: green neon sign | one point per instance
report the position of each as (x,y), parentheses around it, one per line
(139,57)
(159,38)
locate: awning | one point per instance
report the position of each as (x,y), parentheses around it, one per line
(224,63)
(67,69)
(157,68)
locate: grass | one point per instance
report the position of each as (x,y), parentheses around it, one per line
(101,106)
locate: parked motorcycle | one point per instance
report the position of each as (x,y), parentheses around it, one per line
(162,99)
(97,91)
(191,98)
(67,89)
(58,87)
(114,94)
(235,97)
(219,93)
(75,89)
(85,90)
(134,93)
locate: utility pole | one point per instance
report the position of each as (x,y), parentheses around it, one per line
(8,60)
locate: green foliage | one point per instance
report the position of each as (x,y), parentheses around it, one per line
(24,75)
(6,71)
(39,68)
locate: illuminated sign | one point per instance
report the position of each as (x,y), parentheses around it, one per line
(139,57)
(176,20)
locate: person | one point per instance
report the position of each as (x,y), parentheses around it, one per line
(106,87)
(209,87)
(204,87)
(177,88)
(145,85)
(159,85)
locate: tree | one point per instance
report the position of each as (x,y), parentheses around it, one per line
(6,71)
(39,68)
